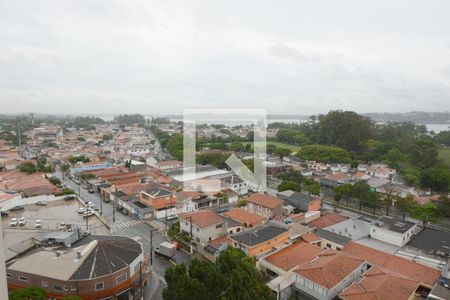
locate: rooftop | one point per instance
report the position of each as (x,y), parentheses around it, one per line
(244,217)
(432,241)
(331,236)
(203,218)
(393,224)
(380,284)
(327,220)
(393,263)
(293,255)
(329,268)
(258,235)
(265,200)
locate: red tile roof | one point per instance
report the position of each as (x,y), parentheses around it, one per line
(380,284)
(265,200)
(203,218)
(393,263)
(293,255)
(329,268)
(327,220)
(310,237)
(244,217)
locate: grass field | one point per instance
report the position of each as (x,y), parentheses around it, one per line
(444,154)
(281,145)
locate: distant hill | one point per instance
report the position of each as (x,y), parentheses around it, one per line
(419,117)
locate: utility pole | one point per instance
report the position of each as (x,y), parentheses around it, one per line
(101,203)
(114,209)
(190,222)
(19,136)
(140,280)
(151,248)
(87,222)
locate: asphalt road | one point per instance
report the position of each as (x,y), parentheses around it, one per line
(138,229)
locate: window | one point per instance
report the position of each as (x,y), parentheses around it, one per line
(328,246)
(9,276)
(44,284)
(23,278)
(58,287)
(198,229)
(121,278)
(99,286)
(219,226)
(73,288)
(301,281)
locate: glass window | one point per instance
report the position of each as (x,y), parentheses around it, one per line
(9,276)
(121,278)
(58,287)
(23,278)
(44,283)
(99,286)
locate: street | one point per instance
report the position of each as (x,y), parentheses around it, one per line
(127,225)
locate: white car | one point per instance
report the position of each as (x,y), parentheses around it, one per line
(38,224)
(88,213)
(13,222)
(82,210)
(172,217)
(22,221)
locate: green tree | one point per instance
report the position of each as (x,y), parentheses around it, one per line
(395,157)
(325,154)
(289,185)
(343,191)
(437,178)
(236,147)
(175,146)
(361,190)
(27,167)
(282,152)
(372,200)
(444,206)
(405,205)
(311,186)
(427,213)
(233,276)
(423,153)
(31,293)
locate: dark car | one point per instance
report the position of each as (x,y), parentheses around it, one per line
(4,213)
(17,208)
(70,197)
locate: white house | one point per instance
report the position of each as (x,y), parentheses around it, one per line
(392,231)
(205,225)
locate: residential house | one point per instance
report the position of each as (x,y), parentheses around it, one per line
(392,231)
(300,200)
(161,199)
(327,220)
(265,205)
(205,225)
(260,240)
(334,180)
(236,184)
(325,276)
(247,219)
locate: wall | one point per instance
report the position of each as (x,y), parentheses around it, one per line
(266,246)
(392,237)
(204,234)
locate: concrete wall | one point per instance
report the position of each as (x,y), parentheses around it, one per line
(392,237)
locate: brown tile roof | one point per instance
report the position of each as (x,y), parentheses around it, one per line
(203,218)
(329,268)
(327,220)
(293,255)
(379,284)
(244,217)
(310,237)
(393,263)
(265,200)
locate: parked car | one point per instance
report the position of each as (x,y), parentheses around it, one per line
(22,221)
(172,217)
(41,203)
(4,213)
(38,224)
(13,222)
(17,208)
(91,191)
(82,210)
(124,211)
(70,197)
(90,203)
(88,213)
(94,208)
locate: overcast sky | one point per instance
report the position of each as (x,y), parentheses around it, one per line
(158,57)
